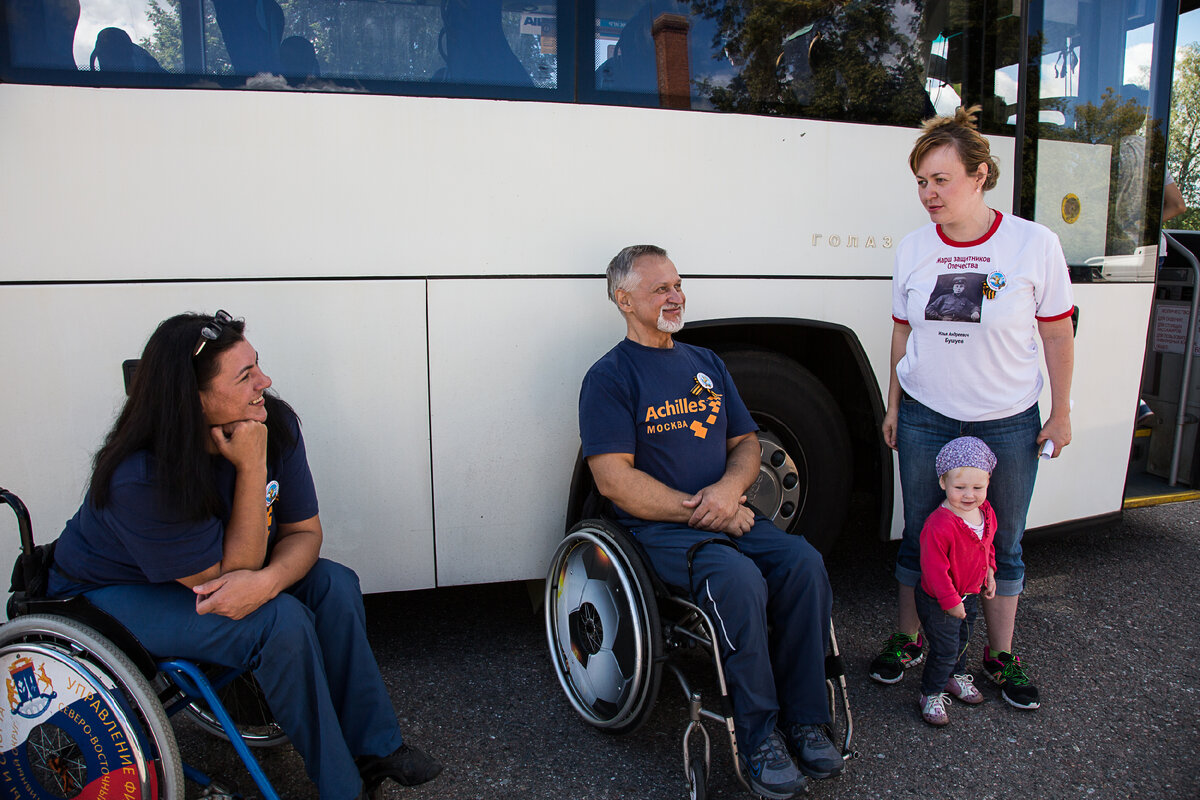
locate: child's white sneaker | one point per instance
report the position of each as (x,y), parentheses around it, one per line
(933,709)
(963,688)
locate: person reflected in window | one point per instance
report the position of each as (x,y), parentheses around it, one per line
(116,52)
(298,60)
(41,33)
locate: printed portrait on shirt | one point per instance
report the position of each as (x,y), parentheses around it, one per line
(957,297)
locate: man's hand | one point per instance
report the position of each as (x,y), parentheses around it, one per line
(243,443)
(714,507)
(742,521)
(234,594)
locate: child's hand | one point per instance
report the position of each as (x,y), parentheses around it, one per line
(989,585)
(957,612)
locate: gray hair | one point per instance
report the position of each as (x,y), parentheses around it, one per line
(620,269)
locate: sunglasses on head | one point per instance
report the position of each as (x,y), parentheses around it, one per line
(211,330)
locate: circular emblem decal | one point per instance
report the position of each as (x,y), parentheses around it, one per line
(996,281)
(1070,209)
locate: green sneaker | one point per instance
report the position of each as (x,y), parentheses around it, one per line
(898,654)
(1007,672)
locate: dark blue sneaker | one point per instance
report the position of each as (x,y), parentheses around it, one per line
(814,753)
(771,771)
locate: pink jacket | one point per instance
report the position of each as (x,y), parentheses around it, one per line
(953,562)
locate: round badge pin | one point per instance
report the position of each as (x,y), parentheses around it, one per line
(272,492)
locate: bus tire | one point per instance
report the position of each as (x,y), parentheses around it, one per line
(804,484)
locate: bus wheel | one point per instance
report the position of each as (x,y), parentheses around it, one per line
(804,482)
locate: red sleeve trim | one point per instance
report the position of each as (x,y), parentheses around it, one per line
(980,240)
(1057,317)
(899,321)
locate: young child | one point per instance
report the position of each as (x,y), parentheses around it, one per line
(958,561)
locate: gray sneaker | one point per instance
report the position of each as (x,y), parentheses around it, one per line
(815,754)
(771,771)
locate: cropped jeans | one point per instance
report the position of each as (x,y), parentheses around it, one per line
(921,433)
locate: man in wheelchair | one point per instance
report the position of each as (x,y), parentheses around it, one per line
(671,444)
(174,540)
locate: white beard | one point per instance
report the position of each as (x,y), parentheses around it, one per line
(669,327)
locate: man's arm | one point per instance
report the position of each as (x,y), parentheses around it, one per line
(1173,204)
(720,504)
(719,507)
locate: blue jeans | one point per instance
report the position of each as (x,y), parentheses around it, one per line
(308,649)
(948,638)
(921,433)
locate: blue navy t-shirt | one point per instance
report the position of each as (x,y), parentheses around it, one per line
(140,538)
(671,408)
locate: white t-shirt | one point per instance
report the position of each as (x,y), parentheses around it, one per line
(974,309)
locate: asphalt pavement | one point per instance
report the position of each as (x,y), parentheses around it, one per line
(1108,626)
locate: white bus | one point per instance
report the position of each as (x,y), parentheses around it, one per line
(412,205)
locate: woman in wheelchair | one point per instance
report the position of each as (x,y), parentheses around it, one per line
(175,541)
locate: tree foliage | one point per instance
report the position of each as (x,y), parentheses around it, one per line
(830,59)
(1183,154)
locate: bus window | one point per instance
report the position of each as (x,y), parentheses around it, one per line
(314,44)
(892,63)
(1100,157)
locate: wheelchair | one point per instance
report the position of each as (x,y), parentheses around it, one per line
(613,626)
(88,708)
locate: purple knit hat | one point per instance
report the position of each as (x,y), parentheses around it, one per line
(965,451)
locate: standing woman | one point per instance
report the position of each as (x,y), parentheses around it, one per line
(200,533)
(973,376)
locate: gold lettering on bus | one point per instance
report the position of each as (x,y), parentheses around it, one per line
(850,240)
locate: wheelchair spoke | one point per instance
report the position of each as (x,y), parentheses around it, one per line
(56,759)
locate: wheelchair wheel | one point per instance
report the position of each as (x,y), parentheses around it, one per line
(80,720)
(603,628)
(244,700)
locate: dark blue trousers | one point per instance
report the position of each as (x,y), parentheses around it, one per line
(774,674)
(308,649)
(948,638)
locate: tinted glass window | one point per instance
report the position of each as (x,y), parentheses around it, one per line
(1100,154)
(889,62)
(315,44)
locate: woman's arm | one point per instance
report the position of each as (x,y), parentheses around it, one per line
(239,592)
(1058,341)
(900,334)
(244,444)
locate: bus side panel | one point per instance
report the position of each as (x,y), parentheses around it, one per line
(1089,479)
(156,183)
(506,361)
(349,356)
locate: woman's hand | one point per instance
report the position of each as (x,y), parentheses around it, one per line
(890,423)
(1058,430)
(234,594)
(243,443)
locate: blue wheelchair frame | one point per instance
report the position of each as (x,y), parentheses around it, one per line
(187,681)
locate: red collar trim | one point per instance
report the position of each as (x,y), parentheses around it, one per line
(980,240)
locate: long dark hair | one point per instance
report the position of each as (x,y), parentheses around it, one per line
(163,416)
